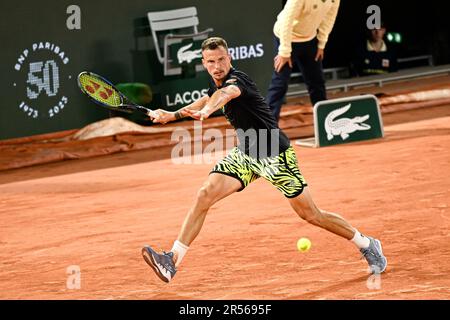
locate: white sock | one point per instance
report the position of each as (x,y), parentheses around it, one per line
(360,240)
(180,249)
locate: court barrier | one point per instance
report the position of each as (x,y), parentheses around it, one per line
(345,120)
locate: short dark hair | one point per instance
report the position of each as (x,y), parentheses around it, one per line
(213,43)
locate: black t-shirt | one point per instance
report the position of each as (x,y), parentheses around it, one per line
(257,130)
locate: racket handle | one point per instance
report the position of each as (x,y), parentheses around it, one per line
(147,111)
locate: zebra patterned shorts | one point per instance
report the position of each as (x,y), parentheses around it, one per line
(281,171)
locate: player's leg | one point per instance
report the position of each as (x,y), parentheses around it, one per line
(306,209)
(231,174)
(284,174)
(217,187)
(371,248)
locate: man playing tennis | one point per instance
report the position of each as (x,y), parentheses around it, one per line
(264,152)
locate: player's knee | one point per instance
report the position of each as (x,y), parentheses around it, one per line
(202,194)
(205,195)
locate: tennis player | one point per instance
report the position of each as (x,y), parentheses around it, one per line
(263,151)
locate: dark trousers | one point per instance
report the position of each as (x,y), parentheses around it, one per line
(303,56)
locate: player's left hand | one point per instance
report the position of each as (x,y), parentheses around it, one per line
(162,116)
(196,114)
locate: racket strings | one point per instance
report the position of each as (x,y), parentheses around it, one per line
(100,90)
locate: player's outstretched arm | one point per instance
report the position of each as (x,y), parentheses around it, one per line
(220,98)
(164,116)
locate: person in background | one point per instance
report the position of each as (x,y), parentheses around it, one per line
(301,33)
(374,56)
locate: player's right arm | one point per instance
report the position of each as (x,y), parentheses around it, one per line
(167,116)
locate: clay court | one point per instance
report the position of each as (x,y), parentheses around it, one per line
(97,213)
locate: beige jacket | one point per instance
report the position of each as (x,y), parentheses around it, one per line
(303,20)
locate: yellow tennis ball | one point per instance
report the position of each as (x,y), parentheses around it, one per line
(303,244)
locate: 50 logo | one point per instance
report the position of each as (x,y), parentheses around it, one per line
(39,78)
(43,76)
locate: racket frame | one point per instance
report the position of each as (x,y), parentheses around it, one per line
(125,104)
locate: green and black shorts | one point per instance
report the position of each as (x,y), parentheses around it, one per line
(281,171)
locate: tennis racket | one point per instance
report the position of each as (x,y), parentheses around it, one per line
(105,94)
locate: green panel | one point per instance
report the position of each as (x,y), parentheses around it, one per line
(347,120)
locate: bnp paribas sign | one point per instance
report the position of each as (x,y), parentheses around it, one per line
(41,79)
(346,120)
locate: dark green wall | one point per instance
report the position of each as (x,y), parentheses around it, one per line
(114,41)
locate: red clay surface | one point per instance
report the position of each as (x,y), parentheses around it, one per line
(78,213)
